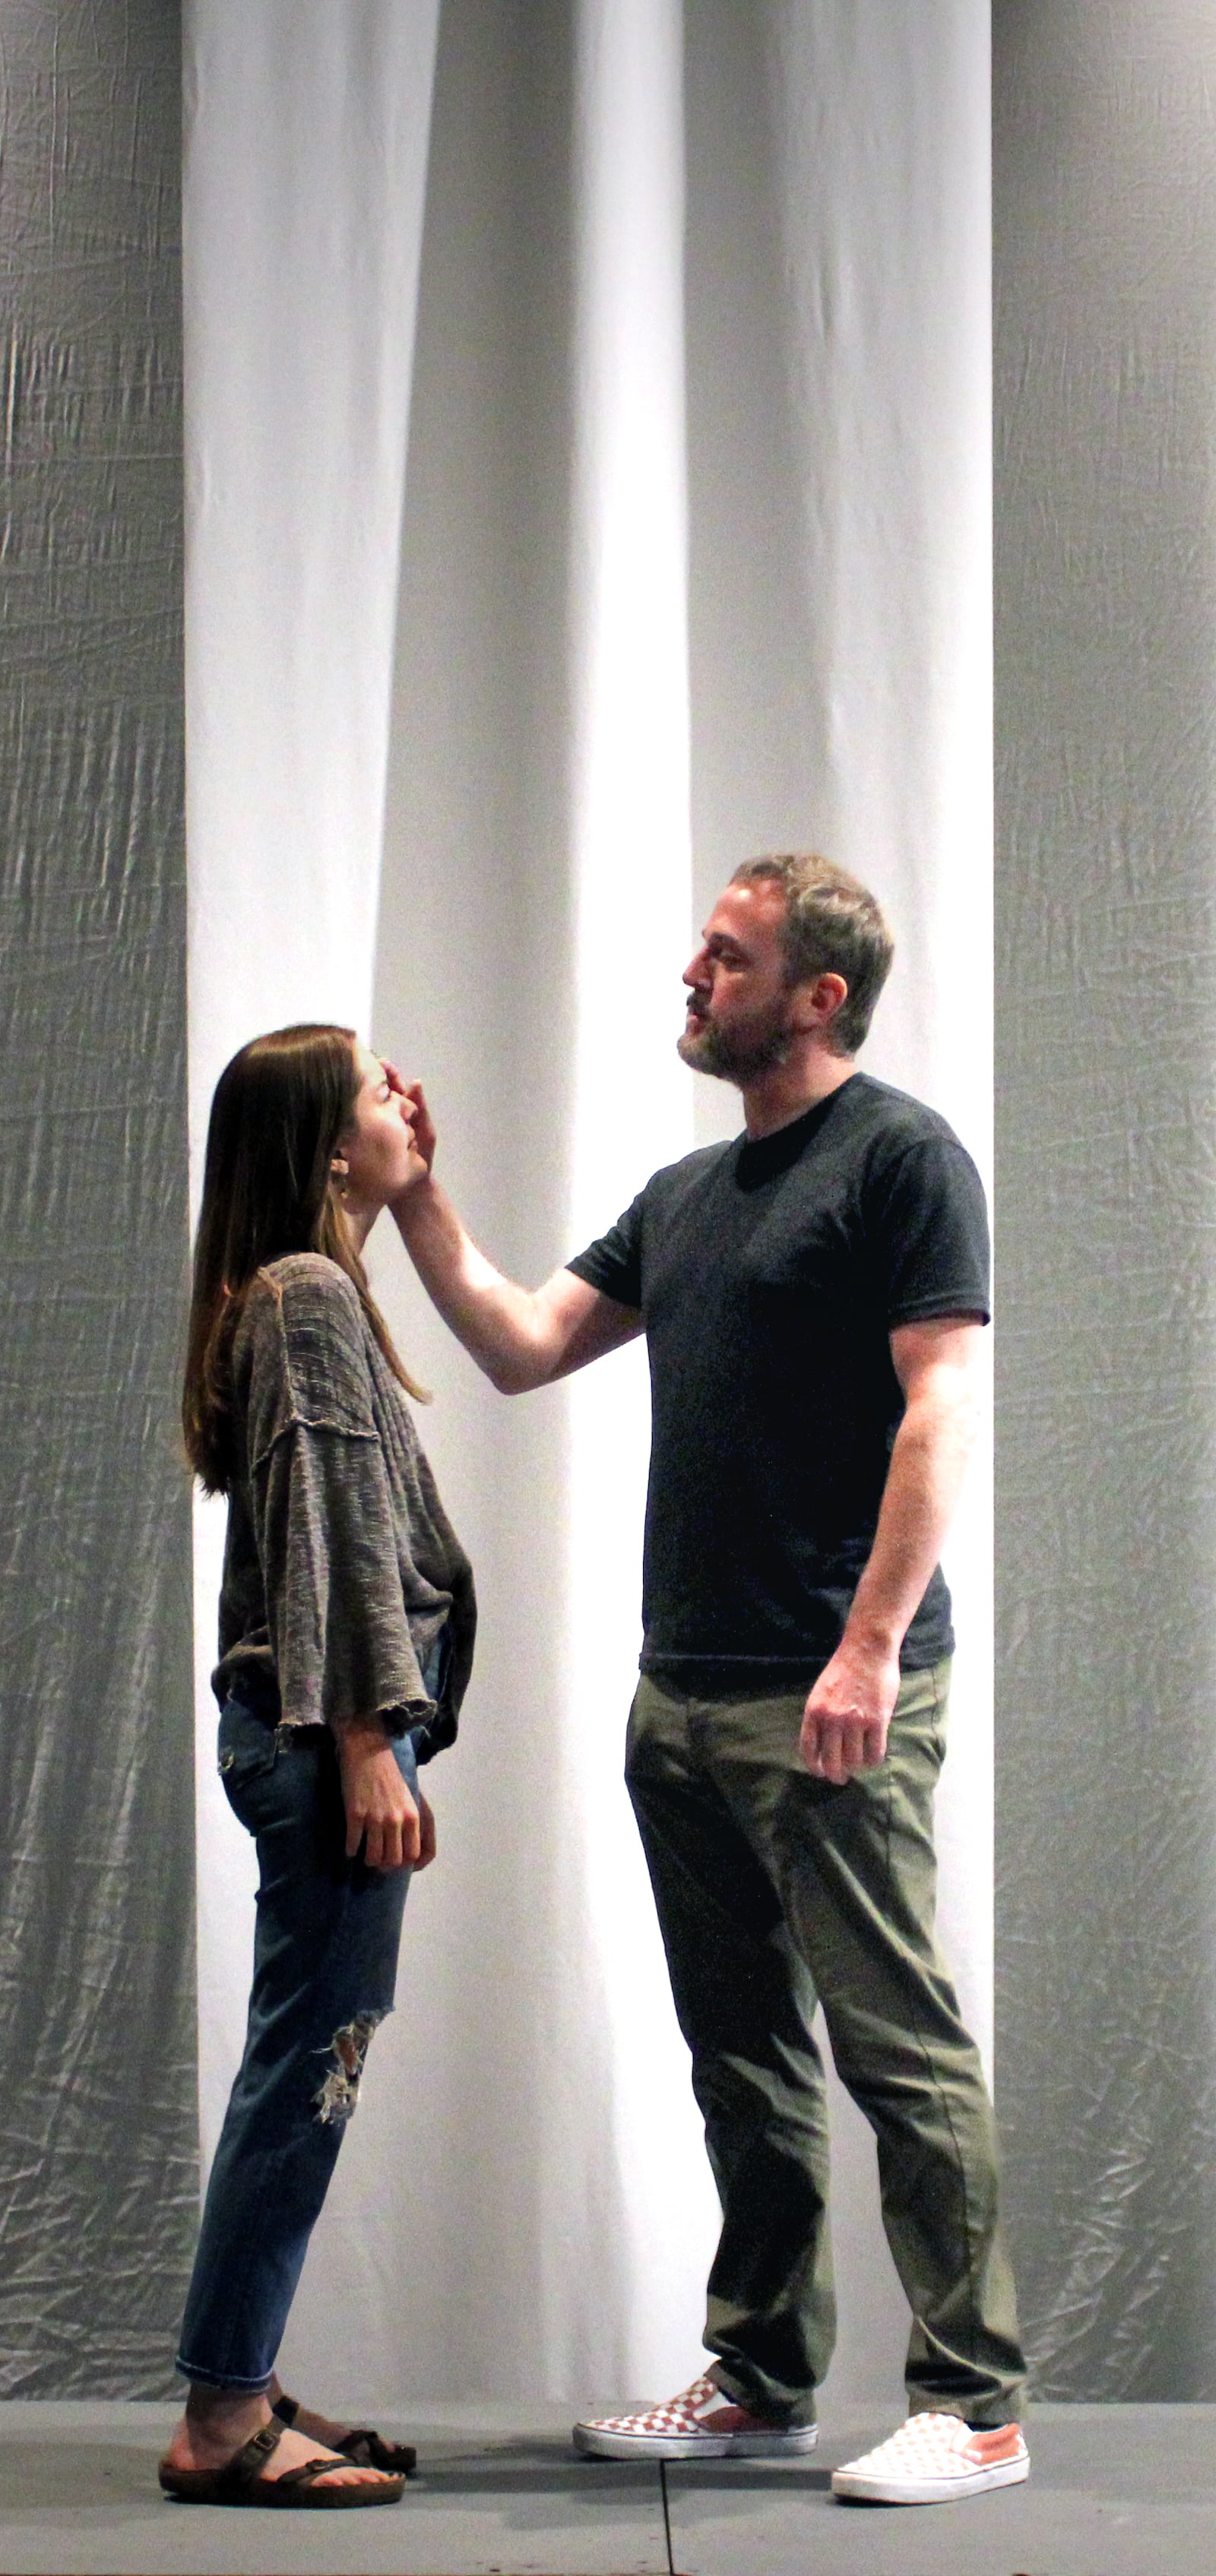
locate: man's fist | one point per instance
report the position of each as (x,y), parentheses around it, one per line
(844,1726)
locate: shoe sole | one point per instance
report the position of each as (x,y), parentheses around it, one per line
(595,2445)
(197,2486)
(857,2490)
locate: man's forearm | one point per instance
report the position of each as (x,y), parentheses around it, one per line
(924,1482)
(849,1706)
(493,1317)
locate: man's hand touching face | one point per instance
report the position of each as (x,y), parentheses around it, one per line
(414,1097)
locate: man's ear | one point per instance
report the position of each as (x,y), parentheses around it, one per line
(818,1001)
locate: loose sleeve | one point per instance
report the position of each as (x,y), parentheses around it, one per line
(322,1511)
(613,1264)
(928,1228)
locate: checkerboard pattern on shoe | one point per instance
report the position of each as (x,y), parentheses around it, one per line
(701,2423)
(934,2459)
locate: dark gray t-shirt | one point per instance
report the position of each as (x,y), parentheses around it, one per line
(770,1276)
(341,1565)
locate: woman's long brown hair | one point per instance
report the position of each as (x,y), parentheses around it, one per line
(279,1112)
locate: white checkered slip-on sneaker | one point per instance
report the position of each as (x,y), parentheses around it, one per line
(701,2423)
(934,2459)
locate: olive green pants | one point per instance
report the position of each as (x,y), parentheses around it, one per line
(774,1890)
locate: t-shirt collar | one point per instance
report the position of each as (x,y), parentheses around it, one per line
(761,1158)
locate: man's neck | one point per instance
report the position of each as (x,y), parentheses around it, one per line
(787,1091)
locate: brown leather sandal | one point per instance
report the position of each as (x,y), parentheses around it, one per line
(240,2481)
(366,2448)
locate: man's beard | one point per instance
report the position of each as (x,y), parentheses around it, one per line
(736,1056)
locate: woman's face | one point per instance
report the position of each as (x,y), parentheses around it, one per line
(377,1146)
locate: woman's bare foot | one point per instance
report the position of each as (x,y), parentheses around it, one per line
(219,2421)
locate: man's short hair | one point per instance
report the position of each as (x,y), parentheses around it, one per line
(832,925)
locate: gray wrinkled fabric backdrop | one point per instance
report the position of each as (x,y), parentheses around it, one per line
(1106,1185)
(98,2139)
(1106,353)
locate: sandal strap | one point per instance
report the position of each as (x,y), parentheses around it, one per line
(310,2470)
(368,2450)
(359,2444)
(247,2464)
(287,2409)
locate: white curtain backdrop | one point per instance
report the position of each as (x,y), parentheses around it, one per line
(304,169)
(686,551)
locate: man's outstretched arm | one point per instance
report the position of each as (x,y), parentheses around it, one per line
(844,1729)
(521,1337)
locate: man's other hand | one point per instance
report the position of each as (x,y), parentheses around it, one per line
(425,1138)
(844,1727)
(420,1119)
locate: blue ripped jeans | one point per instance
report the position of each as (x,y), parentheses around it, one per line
(324,1972)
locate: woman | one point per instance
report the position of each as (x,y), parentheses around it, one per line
(346,1635)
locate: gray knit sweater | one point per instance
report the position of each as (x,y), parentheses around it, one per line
(341,1565)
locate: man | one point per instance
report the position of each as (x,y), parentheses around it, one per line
(813,1296)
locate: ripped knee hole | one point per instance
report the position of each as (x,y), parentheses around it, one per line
(339,2093)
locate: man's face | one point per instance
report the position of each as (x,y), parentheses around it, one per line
(738,1022)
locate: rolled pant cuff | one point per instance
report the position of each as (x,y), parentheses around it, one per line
(200,2378)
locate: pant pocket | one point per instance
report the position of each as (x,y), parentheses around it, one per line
(247,1751)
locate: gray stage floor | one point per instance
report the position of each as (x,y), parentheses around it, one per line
(1114,2491)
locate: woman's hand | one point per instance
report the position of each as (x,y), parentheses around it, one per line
(380,1813)
(426,1831)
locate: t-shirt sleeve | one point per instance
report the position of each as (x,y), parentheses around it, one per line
(613,1264)
(323,1517)
(928,1227)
